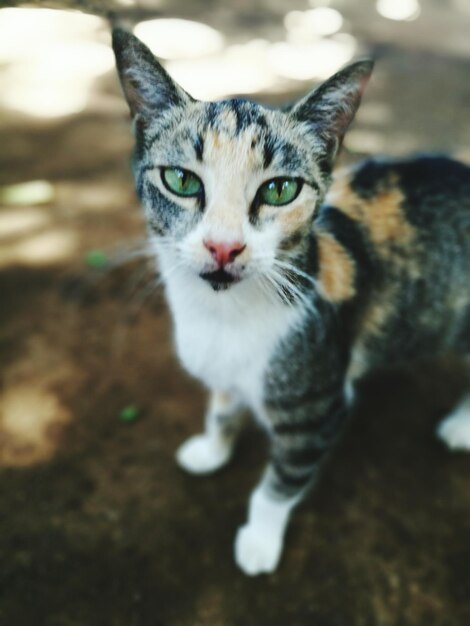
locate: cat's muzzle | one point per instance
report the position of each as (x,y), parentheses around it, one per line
(220,279)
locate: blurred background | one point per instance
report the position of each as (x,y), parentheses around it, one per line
(97,525)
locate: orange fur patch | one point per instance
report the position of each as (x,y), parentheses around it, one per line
(336,269)
(382,215)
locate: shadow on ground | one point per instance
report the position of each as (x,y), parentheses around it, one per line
(109,531)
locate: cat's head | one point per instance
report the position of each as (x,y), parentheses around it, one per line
(230,188)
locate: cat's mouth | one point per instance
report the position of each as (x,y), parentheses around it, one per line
(220,279)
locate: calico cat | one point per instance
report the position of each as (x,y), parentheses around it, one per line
(284,295)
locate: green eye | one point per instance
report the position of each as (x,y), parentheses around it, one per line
(181,182)
(280,191)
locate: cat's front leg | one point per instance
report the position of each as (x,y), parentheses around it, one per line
(212,449)
(259,543)
(299,444)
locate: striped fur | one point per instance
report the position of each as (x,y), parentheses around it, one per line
(323,290)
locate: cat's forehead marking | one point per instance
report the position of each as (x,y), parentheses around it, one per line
(235,133)
(232,128)
(198,145)
(234,116)
(233,120)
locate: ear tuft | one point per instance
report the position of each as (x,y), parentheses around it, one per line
(330,108)
(148,88)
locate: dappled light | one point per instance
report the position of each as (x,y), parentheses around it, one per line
(52,75)
(55,245)
(242,69)
(31,192)
(400,10)
(31,424)
(209,68)
(311,61)
(33,414)
(39,28)
(97,197)
(55,80)
(375,113)
(303,25)
(29,234)
(176,39)
(14,222)
(364,141)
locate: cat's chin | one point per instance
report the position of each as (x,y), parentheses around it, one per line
(220,280)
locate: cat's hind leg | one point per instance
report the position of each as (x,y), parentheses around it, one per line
(212,449)
(454,430)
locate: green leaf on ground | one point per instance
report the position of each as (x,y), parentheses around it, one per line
(96,258)
(129,413)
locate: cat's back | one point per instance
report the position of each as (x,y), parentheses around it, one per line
(413,214)
(411,225)
(399,201)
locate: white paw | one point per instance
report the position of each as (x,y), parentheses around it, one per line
(257,551)
(455,431)
(202,455)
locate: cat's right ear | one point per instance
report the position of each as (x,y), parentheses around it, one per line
(329,109)
(148,88)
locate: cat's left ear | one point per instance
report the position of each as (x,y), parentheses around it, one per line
(148,88)
(330,108)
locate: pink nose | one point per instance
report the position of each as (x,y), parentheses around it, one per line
(224,253)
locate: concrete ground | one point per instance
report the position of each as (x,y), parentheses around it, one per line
(98,526)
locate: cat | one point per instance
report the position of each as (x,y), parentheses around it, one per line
(285,287)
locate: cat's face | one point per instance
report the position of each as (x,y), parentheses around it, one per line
(232,185)
(230,188)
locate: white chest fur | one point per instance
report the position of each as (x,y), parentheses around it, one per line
(226,339)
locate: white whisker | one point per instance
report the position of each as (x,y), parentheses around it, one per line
(284,284)
(294,270)
(262,282)
(152,285)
